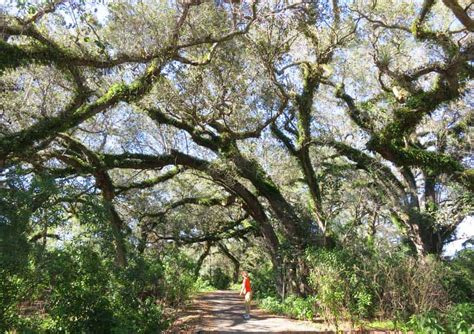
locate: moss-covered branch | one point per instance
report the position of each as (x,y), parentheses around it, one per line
(149,182)
(228,231)
(74,115)
(357,115)
(364,161)
(204,201)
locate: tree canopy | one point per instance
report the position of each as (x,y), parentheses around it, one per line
(287,125)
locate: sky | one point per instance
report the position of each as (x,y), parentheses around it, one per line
(464,232)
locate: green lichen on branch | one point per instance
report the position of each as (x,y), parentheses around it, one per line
(13,56)
(407,155)
(407,117)
(73,115)
(311,77)
(360,117)
(433,162)
(450,48)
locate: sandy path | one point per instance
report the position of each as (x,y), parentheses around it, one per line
(221,312)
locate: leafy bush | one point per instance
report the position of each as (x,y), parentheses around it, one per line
(300,308)
(219,279)
(460,319)
(271,304)
(459,278)
(84,293)
(263,282)
(135,290)
(78,282)
(14,252)
(178,279)
(425,323)
(136,316)
(202,285)
(235,286)
(407,286)
(293,306)
(341,286)
(356,284)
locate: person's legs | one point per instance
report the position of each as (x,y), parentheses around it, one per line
(248,300)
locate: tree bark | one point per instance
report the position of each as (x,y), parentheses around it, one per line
(460,13)
(233,259)
(200,261)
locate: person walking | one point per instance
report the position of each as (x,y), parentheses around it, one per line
(246,291)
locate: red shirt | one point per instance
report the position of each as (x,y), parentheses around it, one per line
(246,284)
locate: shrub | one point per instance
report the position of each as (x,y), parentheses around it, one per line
(219,279)
(14,253)
(293,306)
(271,304)
(459,278)
(134,293)
(202,285)
(78,282)
(359,284)
(263,282)
(460,318)
(425,323)
(86,294)
(178,279)
(136,316)
(341,286)
(300,308)
(407,286)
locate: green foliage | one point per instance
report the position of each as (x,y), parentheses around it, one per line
(12,56)
(202,285)
(459,278)
(271,304)
(300,308)
(358,284)
(342,288)
(56,75)
(235,286)
(15,249)
(263,282)
(219,279)
(136,289)
(293,306)
(458,319)
(425,323)
(176,264)
(138,316)
(83,292)
(78,281)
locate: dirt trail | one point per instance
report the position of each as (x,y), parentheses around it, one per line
(221,312)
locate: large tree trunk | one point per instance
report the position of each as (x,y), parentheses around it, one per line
(105,185)
(422,232)
(431,237)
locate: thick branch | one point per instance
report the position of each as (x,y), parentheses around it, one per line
(460,13)
(202,201)
(149,182)
(358,116)
(74,115)
(227,232)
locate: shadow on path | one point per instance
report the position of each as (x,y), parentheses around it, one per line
(222,312)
